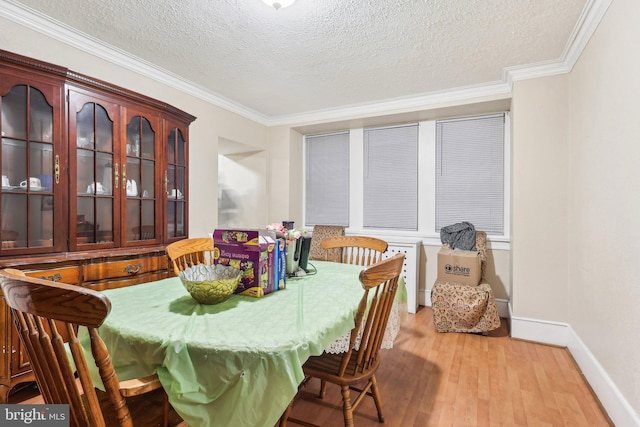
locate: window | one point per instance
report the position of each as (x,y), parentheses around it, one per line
(391,178)
(470,172)
(327,179)
(411,180)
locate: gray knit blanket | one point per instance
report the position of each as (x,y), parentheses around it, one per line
(459,236)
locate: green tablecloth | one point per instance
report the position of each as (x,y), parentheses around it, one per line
(237,363)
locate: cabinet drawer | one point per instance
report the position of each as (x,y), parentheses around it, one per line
(125,268)
(127,281)
(68,275)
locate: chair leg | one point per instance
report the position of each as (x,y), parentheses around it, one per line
(375,392)
(285,416)
(346,406)
(165,411)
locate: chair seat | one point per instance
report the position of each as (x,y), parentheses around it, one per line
(148,409)
(327,366)
(138,386)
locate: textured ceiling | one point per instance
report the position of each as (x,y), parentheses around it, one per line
(319,55)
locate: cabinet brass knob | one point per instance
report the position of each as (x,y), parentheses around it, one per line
(133,269)
(53,278)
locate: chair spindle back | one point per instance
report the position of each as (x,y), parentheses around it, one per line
(47,315)
(357,250)
(189,252)
(380,282)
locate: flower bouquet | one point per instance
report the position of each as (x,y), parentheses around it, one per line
(291,237)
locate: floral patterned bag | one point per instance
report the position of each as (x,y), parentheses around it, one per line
(463,308)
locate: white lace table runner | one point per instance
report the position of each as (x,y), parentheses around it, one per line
(398,311)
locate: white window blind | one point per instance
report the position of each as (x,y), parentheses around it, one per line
(470,172)
(327,179)
(391,178)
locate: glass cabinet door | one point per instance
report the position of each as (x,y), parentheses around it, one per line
(93,124)
(140,179)
(30,169)
(176,183)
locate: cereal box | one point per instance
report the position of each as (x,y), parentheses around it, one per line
(280,264)
(249,252)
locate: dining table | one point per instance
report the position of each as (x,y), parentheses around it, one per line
(238,362)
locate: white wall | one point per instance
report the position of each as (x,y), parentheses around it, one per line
(576,210)
(285,180)
(604,198)
(539,184)
(242,177)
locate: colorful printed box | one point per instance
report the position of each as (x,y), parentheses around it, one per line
(280,264)
(235,236)
(249,252)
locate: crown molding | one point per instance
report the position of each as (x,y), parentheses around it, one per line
(588,21)
(400,105)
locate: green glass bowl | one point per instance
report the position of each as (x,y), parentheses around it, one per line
(211,291)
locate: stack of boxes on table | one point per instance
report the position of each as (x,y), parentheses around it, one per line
(258,254)
(461,298)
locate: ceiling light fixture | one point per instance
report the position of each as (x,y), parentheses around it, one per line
(277,4)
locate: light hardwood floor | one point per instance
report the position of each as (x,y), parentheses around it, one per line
(452,379)
(433,379)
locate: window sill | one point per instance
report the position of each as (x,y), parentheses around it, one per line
(500,243)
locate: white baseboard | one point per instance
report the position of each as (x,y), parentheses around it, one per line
(553,333)
(616,405)
(562,334)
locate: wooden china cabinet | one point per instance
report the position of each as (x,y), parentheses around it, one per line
(94,185)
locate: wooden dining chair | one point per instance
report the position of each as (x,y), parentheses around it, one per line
(47,316)
(360,250)
(189,252)
(357,250)
(360,362)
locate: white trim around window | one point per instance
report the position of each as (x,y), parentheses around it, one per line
(426,189)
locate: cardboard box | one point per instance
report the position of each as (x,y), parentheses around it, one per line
(249,252)
(458,266)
